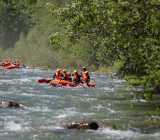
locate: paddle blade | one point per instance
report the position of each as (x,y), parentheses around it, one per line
(43,81)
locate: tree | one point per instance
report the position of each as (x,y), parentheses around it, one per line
(15,18)
(126,30)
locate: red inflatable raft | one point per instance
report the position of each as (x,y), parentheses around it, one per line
(61,83)
(12,66)
(64,83)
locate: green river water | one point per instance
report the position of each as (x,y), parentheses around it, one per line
(122,114)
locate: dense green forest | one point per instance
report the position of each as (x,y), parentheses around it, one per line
(122,34)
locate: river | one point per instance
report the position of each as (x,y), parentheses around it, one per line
(122,114)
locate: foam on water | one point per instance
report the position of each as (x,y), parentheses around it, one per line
(99,107)
(40,109)
(66,113)
(90,99)
(111,111)
(60,116)
(88,114)
(15,81)
(117,134)
(12,126)
(108,89)
(156,135)
(51,129)
(139,100)
(126,134)
(6,81)
(118,81)
(39,95)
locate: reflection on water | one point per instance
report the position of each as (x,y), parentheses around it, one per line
(48,109)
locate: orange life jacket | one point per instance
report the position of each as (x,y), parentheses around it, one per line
(58,76)
(85,77)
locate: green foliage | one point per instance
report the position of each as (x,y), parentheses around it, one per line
(34,49)
(118,64)
(15,18)
(44,45)
(153,81)
(127,30)
(135,80)
(56,40)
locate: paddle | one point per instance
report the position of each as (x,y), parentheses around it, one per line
(44,81)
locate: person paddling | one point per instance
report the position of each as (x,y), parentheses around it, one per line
(85,76)
(67,76)
(58,75)
(76,77)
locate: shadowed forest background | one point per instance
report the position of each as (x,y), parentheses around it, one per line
(123,35)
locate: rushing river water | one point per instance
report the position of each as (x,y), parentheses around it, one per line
(112,104)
